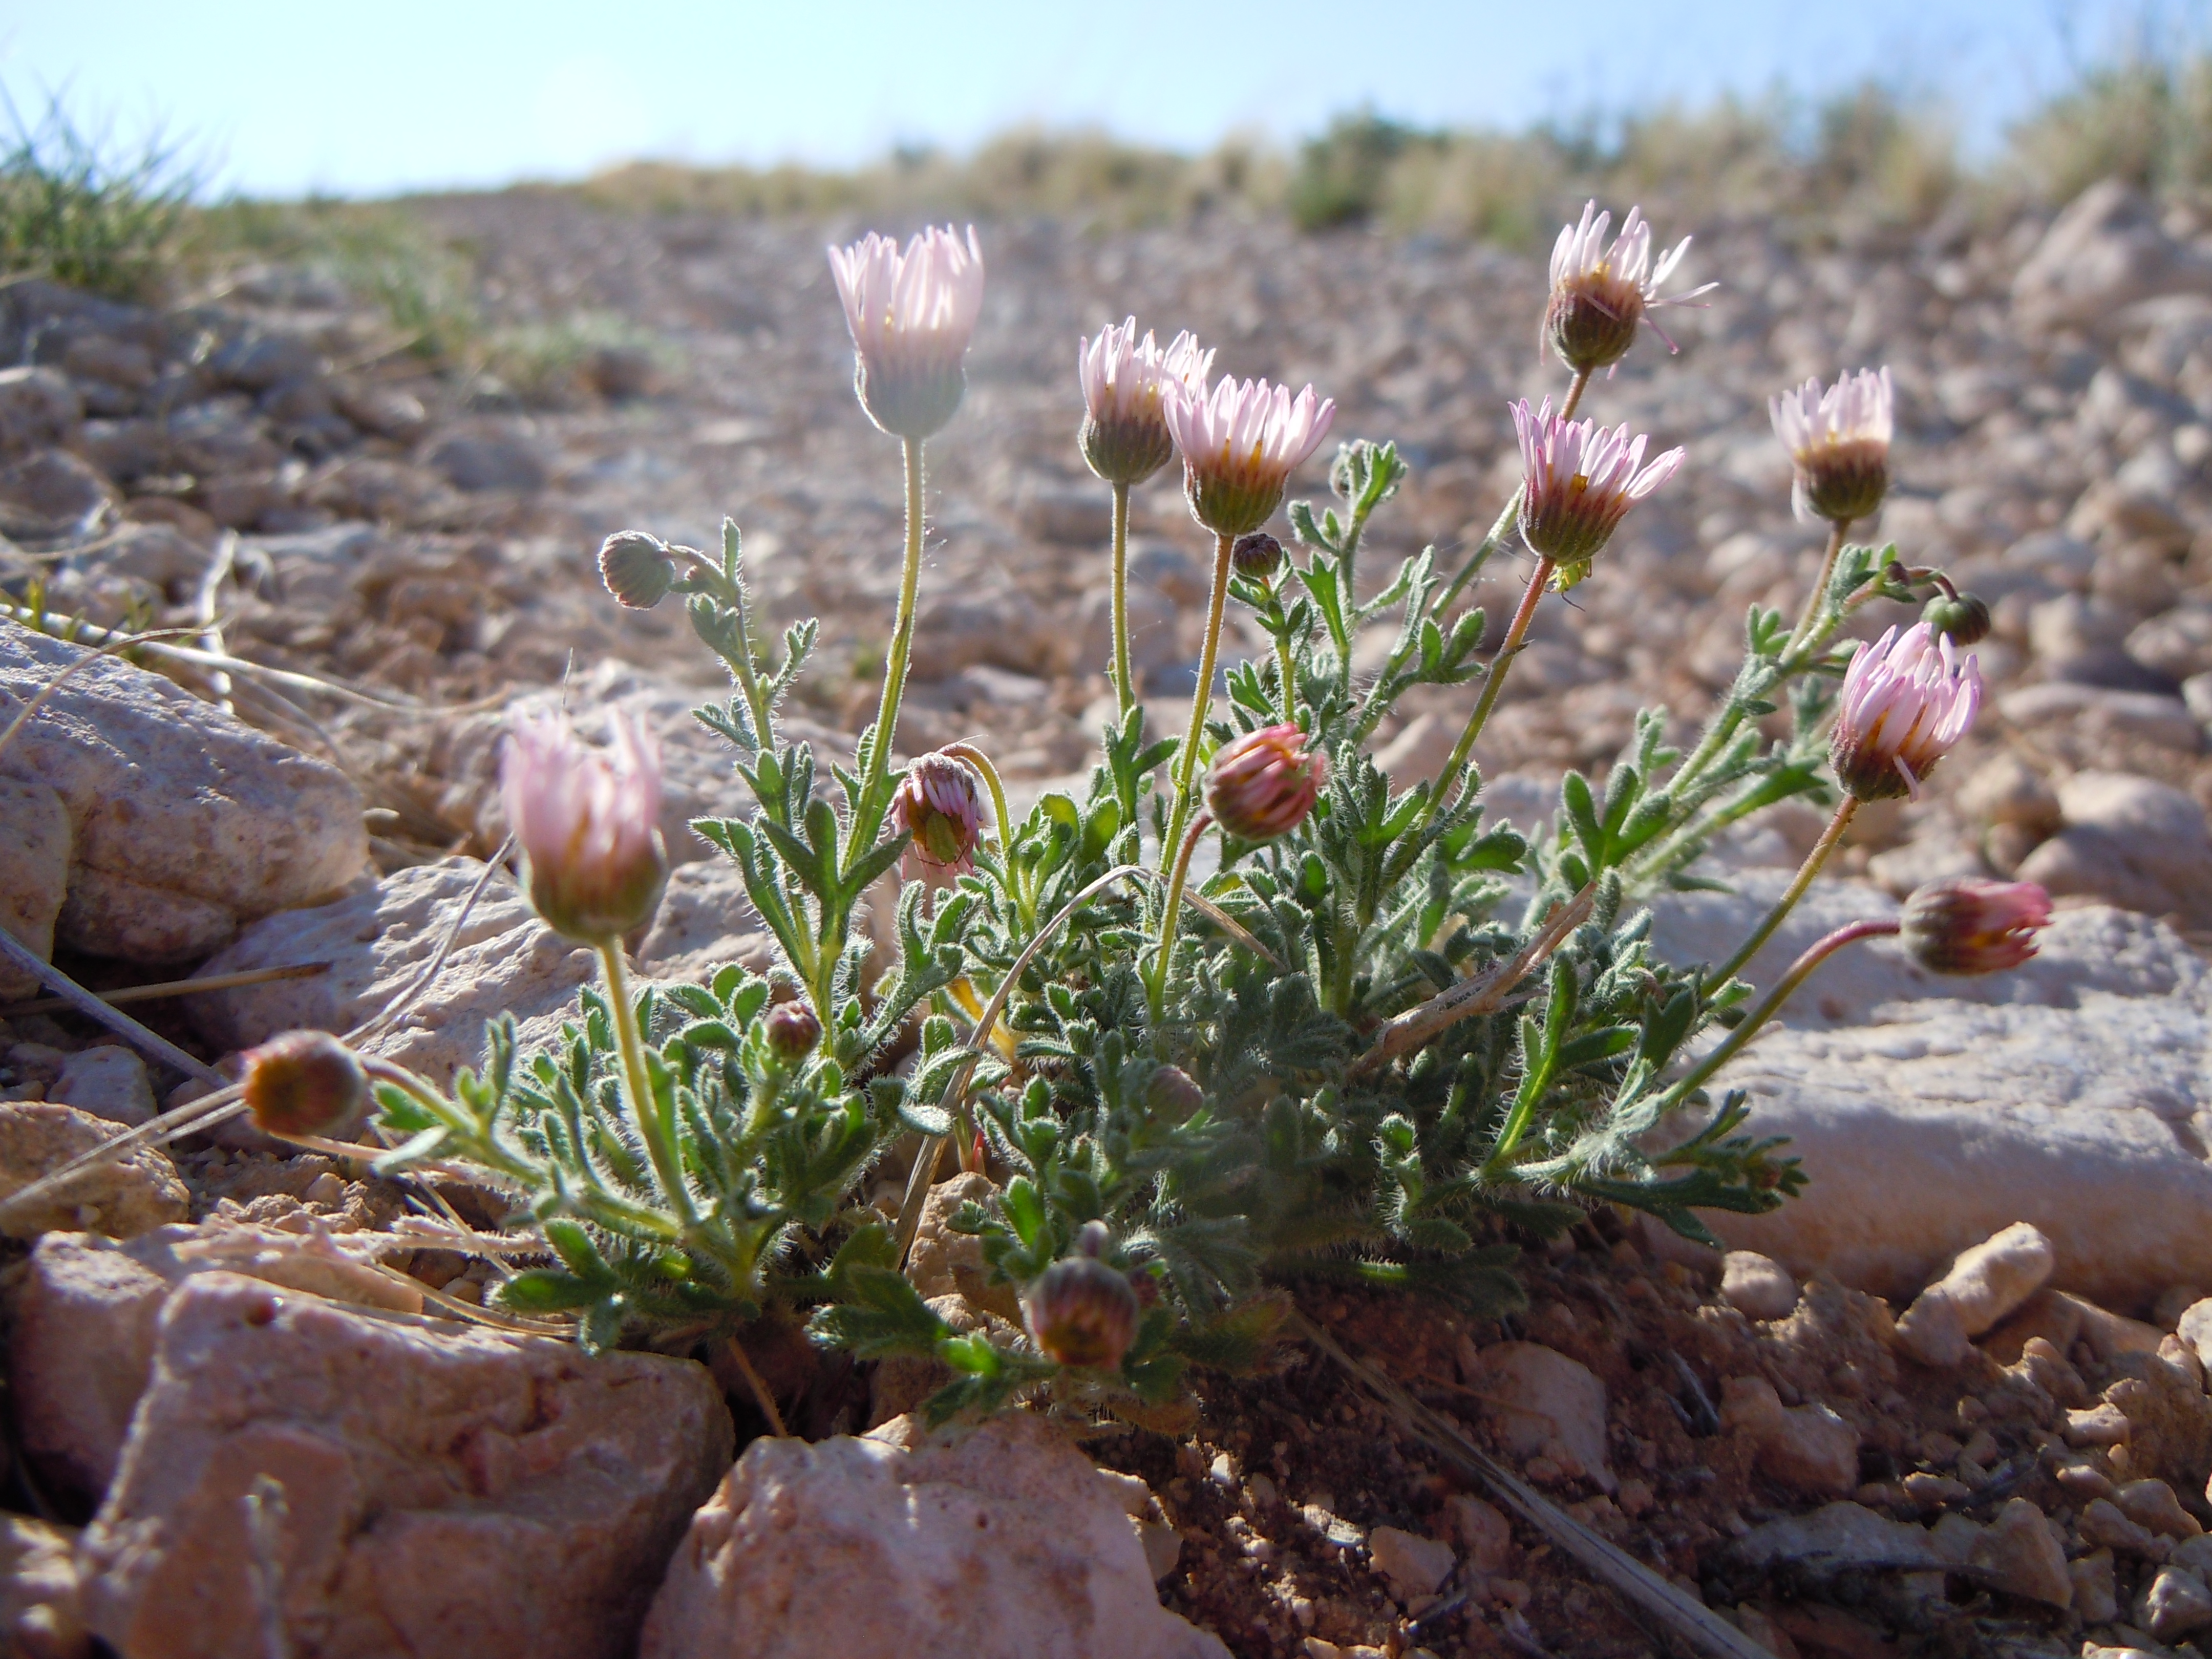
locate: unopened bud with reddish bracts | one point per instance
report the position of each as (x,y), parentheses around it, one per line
(304,1082)
(1974,926)
(637,568)
(1080,1312)
(1173,1094)
(1263,784)
(940,806)
(1256,556)
(587,821)
(792,1032)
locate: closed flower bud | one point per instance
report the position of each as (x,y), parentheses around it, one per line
(1974,926)
(1082,1312)
(1961,618)
(1256,556)
(636,569)
(587,822)
(792,1032)
(911,315)
(1263,784)
(1173,1094)
(305,1083)
(1906,702)
(941,807)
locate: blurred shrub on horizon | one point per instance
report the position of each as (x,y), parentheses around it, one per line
(134,223)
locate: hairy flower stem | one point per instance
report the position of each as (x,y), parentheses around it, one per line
(1493,684)
(903,632)
(1818,595)
(1289,678)
(1729,1048)
(1788,902)
(731,593)
(1202,699)
(1157,982)
(644,1109)
(1574,399)
(1125,686)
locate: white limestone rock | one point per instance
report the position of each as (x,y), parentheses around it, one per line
(1931,1112)
(1002,1534)
(186,823)
(377,941)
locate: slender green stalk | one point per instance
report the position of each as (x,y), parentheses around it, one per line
(902,631)
(1810,615)
(1726,1050)
(732,594)
(1288,676)
(1788,902)
(1371,715)
(1500,528)
(1125,685)
(1493,684)
(1202,699)
(644,1109)
(1157,983)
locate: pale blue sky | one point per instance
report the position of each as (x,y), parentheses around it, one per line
(405,94)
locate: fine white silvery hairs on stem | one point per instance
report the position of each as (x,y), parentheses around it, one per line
(1125,439)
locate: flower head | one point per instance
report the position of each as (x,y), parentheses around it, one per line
(1263,784)
(587,821)
(911,315)
(1125,437)
(1907,701)
(1974,926)
(938,805)
(1599,295)
(1838,442)
(1082,1312)
(1240,444)
(304,1082)
(1581,480)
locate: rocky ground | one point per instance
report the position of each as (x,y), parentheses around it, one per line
(420,544)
